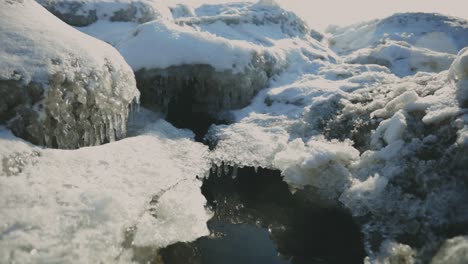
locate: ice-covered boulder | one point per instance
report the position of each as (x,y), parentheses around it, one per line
(60,87)
(114,203)
(85,12)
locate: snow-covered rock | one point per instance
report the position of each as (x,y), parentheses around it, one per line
(424,30)
(60,87)
(405,43)
(402,58)
(85,12)
(211,58)
(101,204)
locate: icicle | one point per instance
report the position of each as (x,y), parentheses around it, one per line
(234,171)
(256,169)
(293,190)
(226,170)
(219,171)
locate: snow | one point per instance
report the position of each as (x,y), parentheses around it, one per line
(381,128)
(406,43)
(74,206)
(86,12)
(424,30)
(65,69)
(171,42)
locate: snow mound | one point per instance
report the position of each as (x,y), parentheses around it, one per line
(85,12)
(61,87)
(424,30)
(101,204)
(402,58)
(405,43)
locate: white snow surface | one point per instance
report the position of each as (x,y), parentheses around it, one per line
(353,132)
(406,43)
(35,45)
(227,37)
(79,206)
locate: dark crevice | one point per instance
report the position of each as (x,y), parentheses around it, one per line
(256,219)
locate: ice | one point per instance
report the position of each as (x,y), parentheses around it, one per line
(454,250)
(60,87)
(380,128)
(425,30)
(255,41)
(74,206)
(84,13)
(402,59)
(406,43)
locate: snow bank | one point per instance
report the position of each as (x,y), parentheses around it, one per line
(424,30)
(61,87)
(223,53)
(405,43)
(104,203)
(402,58)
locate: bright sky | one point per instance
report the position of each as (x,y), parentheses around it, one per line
(322,13)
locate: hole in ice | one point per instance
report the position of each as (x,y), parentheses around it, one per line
(258,220)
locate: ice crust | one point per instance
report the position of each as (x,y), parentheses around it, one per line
(60,87)
(100,204)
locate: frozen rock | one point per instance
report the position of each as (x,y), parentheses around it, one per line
(60,88)
(83,13)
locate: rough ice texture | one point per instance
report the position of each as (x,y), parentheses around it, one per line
(405,43)
(85,12)
(103,204)
(59,87)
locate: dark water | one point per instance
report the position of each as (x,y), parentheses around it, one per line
(258,220)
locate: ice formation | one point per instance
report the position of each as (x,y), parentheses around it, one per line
(103,203)
(60,87)
(378,123)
